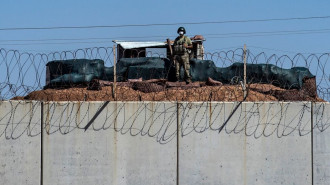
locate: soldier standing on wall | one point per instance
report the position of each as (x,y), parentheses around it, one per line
(182,44)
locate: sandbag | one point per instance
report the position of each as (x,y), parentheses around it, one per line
(74,71)
(83,70)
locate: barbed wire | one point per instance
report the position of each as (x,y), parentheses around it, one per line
(24,76)
(158,120)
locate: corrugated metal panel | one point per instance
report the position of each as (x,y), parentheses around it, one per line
(131,45)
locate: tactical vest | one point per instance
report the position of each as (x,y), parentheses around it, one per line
(178,47)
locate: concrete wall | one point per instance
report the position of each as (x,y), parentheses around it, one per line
(137,143)
(114,150)
(253,152)
(20,143)
(321,140)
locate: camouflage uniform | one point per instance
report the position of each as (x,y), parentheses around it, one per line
(181,57)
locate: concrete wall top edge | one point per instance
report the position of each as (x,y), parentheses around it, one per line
(19,101)
(321,103)
(165,101)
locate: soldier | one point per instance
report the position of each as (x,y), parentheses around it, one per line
(182,44)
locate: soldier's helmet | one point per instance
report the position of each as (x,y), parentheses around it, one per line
(181,29)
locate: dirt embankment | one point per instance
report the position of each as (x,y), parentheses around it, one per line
(161,90)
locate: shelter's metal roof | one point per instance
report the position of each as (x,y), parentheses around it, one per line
(134,44)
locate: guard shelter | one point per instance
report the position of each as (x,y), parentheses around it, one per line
(137,49)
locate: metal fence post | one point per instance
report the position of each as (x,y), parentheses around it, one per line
(177,143)
(114,73)
(312,141)
(244,83)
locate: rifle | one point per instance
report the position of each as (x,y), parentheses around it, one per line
(171,50)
